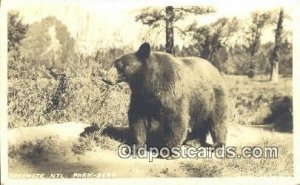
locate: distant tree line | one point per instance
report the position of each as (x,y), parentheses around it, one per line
(235,60)
(247,57)
(47,44)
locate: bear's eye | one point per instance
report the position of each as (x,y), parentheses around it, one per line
(119,65)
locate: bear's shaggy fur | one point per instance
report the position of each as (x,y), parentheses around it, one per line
(186,96)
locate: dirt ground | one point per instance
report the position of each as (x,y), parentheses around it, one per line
(64,161)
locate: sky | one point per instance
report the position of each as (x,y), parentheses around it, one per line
(103,23)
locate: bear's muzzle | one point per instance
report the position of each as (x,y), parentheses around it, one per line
(112,77)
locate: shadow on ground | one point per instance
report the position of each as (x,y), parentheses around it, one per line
(121,134)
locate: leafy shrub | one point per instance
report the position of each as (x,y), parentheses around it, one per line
(85,99)
(281,113)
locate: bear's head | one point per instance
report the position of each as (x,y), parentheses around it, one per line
(127,67)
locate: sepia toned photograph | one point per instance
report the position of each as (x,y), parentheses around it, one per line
(116,89)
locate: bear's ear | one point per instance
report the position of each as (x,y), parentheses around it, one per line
(144,51)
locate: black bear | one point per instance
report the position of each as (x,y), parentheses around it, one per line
(186,96)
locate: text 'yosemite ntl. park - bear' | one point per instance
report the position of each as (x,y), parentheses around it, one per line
(185,96)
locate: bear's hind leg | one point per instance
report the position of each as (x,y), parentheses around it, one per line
(217,119)
(218,133)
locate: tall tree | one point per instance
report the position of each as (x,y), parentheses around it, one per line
(211,41)
(16,31)
(169,16)
(169,29)
(274,55)
(259,20)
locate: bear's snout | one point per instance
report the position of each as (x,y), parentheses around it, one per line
(112,77)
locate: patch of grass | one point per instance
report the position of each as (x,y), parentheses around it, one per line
(250,99)
(281,166)
(36,151)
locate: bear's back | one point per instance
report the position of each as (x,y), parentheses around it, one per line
(200,66)
(195,70)
(188,63)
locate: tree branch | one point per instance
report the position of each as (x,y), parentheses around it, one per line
(182,31)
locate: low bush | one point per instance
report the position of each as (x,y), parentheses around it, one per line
(85,99)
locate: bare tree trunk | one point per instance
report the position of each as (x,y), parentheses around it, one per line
(274,76)
(169,30)
(251,71)
(275,73)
